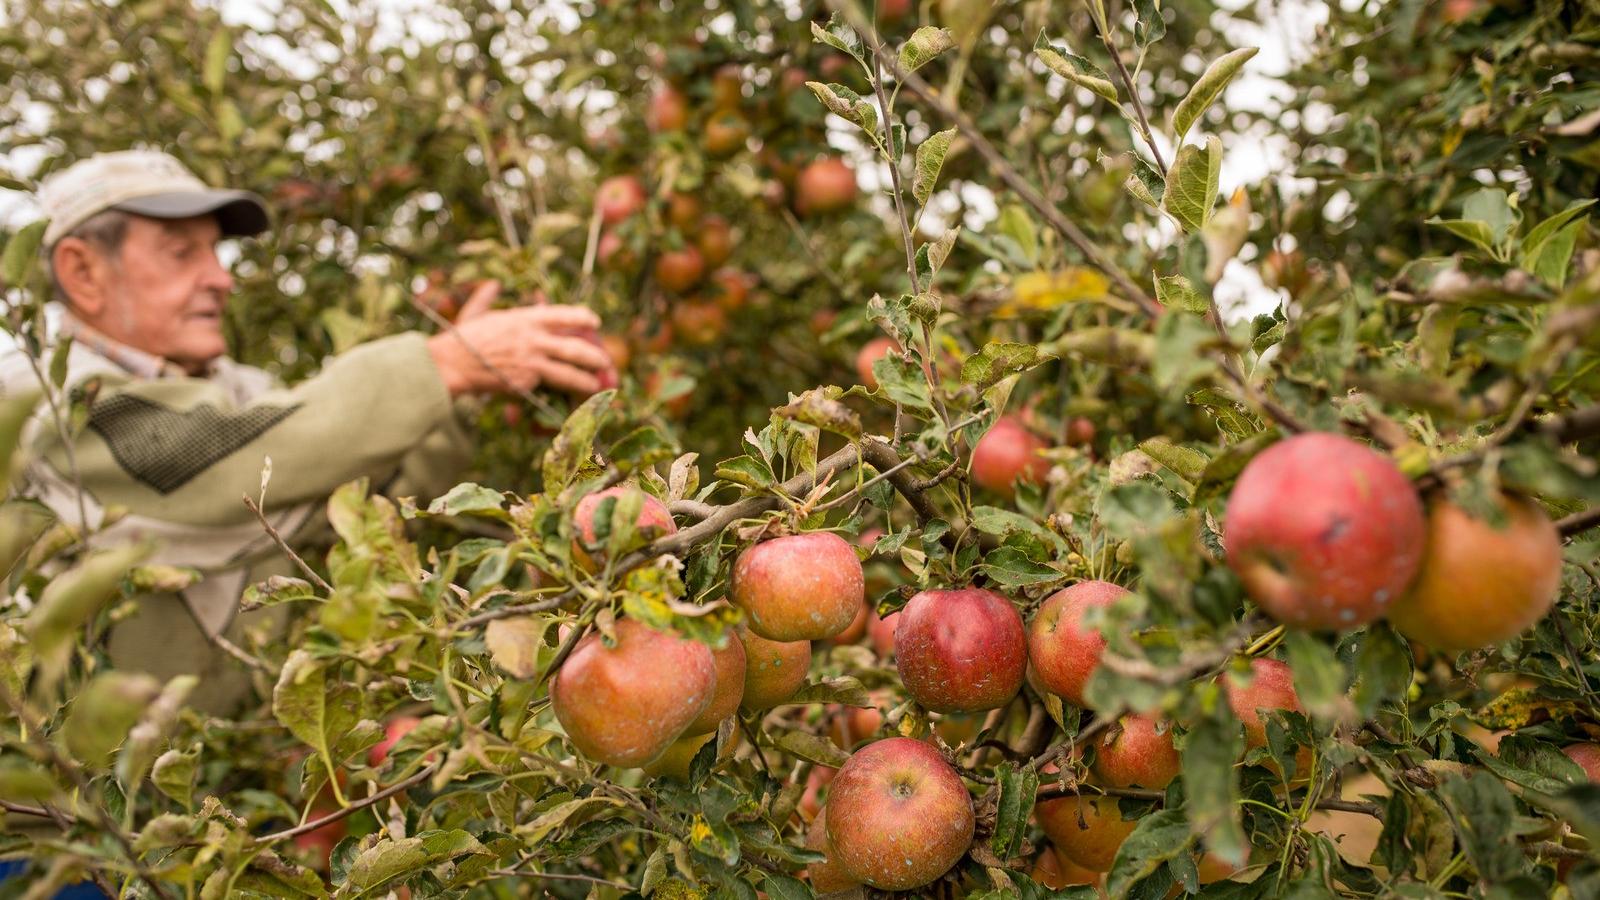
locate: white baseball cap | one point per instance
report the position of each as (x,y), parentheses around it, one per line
(146,183)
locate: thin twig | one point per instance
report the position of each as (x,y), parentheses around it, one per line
(336,815)
(1578,522)
(238,653)
(559,876)
(284,546)
(1133,96)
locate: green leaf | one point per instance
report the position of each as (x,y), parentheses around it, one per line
(822,408)
(1318,674)
(839,35)
(902,381)
(782,887)
(15,411)
(1009,567)
(845,690)
(847,105)
(468,499)
(809,746)
(1075,68)
(1211,780)
(1383,669)
(1180,353)
(930,159)
(1476,232)
(1207,89)
(218,50)
(924,46)
(998,360)
(1177,292)
(1482,812)
(1547,247)
(152,731)
(173,774)
(1145,183)
(1017,789)
(316,710)
(103,712)
(1159,836)
(1184,462)
(746,470)
(71,599)
(390,859)
(1492,207)
(20,253)
(573,446)
(1191,186)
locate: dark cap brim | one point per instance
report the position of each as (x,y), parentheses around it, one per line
(240,213)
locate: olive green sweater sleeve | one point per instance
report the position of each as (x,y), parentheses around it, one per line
(180,449)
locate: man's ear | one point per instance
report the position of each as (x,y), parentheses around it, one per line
(83,273)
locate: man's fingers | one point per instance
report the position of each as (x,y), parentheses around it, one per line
(480,302)
(563,317)
(574,350)
(571,379)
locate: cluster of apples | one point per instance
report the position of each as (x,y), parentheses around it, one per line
(1328,534)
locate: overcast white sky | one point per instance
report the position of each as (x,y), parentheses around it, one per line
(1283,40)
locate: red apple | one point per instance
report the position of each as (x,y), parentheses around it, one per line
(668,110)
(961,650)
(625,705)
(613,253)
(619,197)
(1325,532)
(1055,871)
(1087,830)
(714,237)
(799,588)
(1587,756)
(881,631)
(1481,584)
(397,728)
(1137,752)
(1008,452)
(870,353)
(653,520)
(683,211)
(679,270)
(1064,652)
(1080,432)
(730,664)
(774,670)
(1271,686)
(827,876)
(675,761)
(699,322)
(898,815)
(825,186)
(730,288)
(725,133)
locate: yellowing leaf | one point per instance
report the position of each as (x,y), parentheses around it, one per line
(1049,290)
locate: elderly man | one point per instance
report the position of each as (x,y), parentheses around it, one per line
(177,432)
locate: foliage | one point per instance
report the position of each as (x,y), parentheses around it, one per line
(1439,279)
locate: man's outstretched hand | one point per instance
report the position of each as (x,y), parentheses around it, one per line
(525,348)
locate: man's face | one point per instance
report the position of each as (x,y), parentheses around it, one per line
(168,290)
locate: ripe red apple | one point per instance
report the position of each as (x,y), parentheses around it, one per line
(1481,585)
(619,197)
(1086,829)
(1055,871)
(730,665)
(1324,531)
(1271,687)
(616,347)
(725,133)
(802,587)
(1064,652)
(825,186)
(668,111)
(729,288)
(961,650)
(397,728)
(679,270)
(714,238)
(655,383)
(857,628)
(1007,452)
(613,253)
(1587,756)
(317,844)
(899,816)
(1137,752)
(699,322)
(827,876)
(683,211)
(624,705)
(822,321)
(880,631)
(674,762)
(892,11)
(1080,432)
(727,86)
(811,798)
(654,519)
(774,670)
(870,353)
(852,725)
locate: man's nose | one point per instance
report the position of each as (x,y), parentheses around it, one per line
(216,275)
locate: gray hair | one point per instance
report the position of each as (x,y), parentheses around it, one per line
(105,231)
